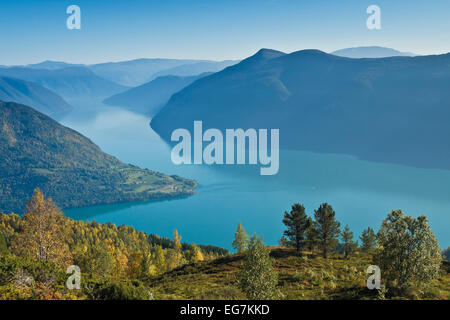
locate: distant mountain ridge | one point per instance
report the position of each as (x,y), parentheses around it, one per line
(192,69)
(132,73)
(70,82)
(389,109)
(150,97)
(36,151)
(135,72)
(52,65)
(34,95)
(371,52)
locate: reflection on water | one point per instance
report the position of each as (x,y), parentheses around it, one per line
(361,192)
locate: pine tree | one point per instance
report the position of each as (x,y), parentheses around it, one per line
(327,228)
(312,237)
(368,239)
(347,241)
(257,278)
(296,222)
(240,241)
(43,235)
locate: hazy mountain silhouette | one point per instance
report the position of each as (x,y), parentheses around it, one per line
(390,109)
(149,98)
(70,83)
(140,71)
(34,95)
(135,72)
(193,69)
(370,52)
(52,65)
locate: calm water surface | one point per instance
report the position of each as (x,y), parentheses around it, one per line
(362,193)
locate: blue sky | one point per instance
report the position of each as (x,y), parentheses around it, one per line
(113,30)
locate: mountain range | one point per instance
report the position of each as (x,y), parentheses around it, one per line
(149,98)
(371,52)
(136,72)
(70,82)
(195,68)
(34,95)
(36,151)
(386,109)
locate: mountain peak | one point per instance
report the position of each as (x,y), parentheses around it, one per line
(267,54)
(309,52)
(261,56)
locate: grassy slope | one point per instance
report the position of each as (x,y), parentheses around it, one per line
(307,277)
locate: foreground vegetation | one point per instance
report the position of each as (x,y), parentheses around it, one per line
(37,249)
(309,276)
(316,260)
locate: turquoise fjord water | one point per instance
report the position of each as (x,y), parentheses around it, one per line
(362,193)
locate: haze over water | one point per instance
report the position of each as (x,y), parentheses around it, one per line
(362,193)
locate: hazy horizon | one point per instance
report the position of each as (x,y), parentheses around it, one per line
(112,31)
(215,60)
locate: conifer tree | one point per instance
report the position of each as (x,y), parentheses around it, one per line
(311,234)
(240,241)
(368,239)
(296,222)
(347,241)
(327,228)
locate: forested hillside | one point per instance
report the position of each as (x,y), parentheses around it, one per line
(36,151)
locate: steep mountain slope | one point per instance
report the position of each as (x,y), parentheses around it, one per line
(390,109)
(34,95)
(36,151)
(149,98)
(371,52)
(69,82)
